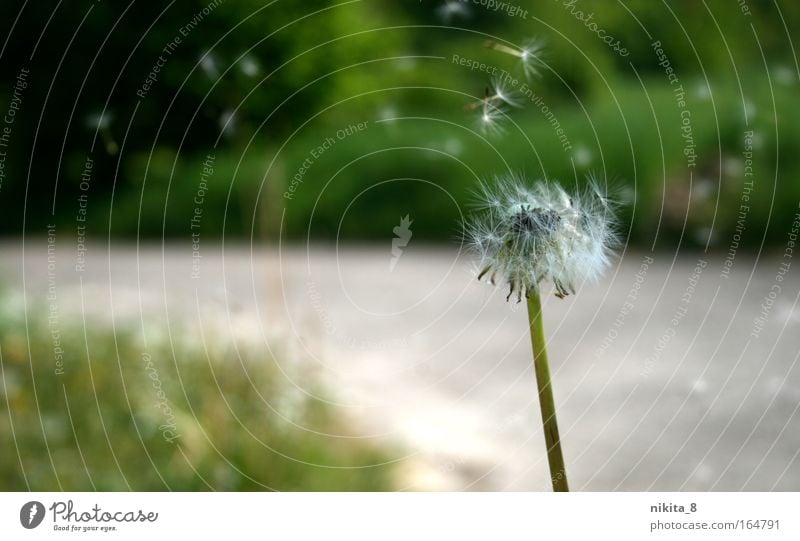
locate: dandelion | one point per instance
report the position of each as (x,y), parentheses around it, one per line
(492,108)
(525,235)
(529,55)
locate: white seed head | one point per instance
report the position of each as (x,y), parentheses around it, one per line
(525,234)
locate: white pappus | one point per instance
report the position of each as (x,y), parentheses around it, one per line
(529,54)
(525,234)
(492,108)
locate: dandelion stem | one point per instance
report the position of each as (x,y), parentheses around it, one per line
(558,473)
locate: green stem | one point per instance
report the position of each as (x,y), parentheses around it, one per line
(558,473)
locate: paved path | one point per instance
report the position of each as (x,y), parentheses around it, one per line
(659,379)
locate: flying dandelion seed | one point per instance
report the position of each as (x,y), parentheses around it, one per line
(249,66)
(227,122)
(490,119)
(208,64)
(529,55)
(528,234)
(98,120)
(492,108)
(453,146)
(749,108)
(785,76)
(387,113)
(101,122)
(703,189)
(582,156)
(452,9)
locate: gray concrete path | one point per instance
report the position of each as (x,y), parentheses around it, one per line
(670,374)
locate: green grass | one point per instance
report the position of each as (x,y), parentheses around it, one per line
(101,424)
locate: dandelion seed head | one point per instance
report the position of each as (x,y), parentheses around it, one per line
(525,234)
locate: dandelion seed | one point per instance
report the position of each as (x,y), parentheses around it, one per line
(582,156)
(98,120)
(490,120)
(527,234)
(101,122)
(208,64)
(703,91)
(785,76)
(452,9)
(529,55)
(387,113)
(705,235)
(749,108)
(249,66)
(498,95)
(453,146)
(227,122)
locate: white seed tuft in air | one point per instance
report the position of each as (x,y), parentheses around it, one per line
(492,108)
(525,234)
(529,54)
(452,9)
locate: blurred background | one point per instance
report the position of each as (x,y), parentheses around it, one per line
(231,244)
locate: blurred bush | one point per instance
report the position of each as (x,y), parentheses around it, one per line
(258,81)
(428,167)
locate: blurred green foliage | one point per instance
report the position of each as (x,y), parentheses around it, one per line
(228,419)
(261,85)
